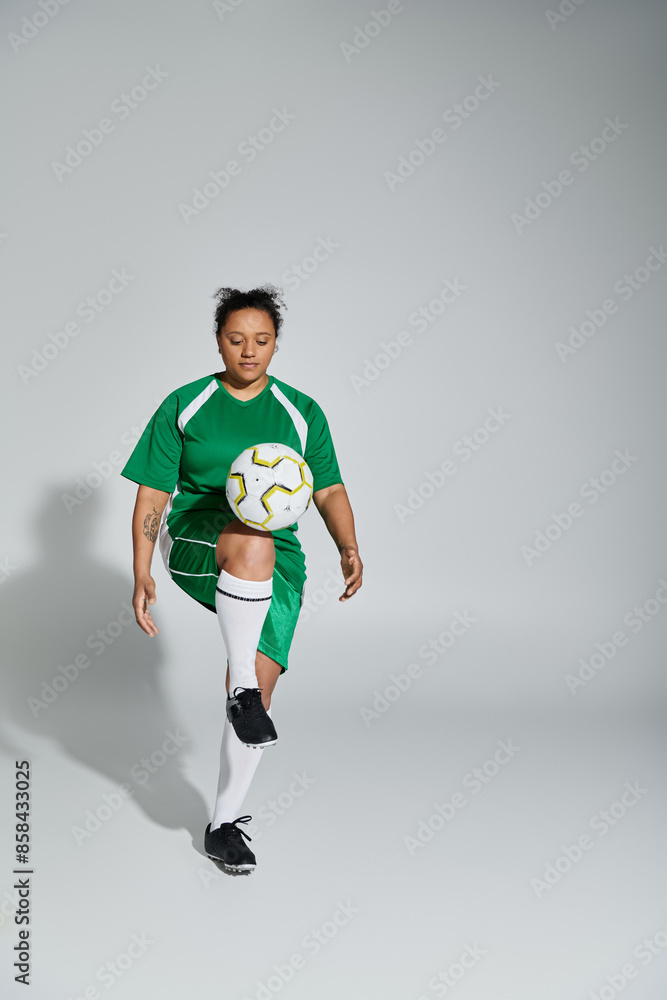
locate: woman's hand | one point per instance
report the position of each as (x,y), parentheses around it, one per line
(334,506)
(352,568)
(148,510)
(144,594)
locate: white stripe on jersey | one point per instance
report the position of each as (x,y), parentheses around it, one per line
(299,422)
(165,543)
(165,539)
(170,503)
(196,403)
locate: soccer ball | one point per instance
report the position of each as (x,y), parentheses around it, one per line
(269,486)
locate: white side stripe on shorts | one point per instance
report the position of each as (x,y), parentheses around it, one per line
(197,541)
(181,573)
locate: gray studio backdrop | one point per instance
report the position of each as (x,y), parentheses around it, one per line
(464,205)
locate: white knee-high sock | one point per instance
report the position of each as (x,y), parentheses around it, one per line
(242,606)
(238,764)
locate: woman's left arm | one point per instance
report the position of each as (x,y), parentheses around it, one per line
(334,506)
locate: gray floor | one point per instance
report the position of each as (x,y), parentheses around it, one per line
(458,839)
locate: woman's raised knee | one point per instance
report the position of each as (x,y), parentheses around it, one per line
(246,552)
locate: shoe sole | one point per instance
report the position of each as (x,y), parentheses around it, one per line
(266,743)
(233,868)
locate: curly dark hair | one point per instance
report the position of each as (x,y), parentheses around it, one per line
(268,298)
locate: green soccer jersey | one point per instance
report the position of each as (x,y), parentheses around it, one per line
(196,433)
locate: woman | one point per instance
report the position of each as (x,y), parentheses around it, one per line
(253,579)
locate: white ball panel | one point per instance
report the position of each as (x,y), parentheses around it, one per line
(288,474)
(243,462)
(252,509)
(258,479)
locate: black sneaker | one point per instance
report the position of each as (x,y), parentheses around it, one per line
(248,716)
(226,844)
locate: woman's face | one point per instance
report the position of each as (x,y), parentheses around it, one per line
(247,342)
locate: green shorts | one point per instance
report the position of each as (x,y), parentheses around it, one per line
(187,546)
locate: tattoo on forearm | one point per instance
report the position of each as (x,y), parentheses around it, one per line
(151,525)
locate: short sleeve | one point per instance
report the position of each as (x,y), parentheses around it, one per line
(320,453)
(156,459)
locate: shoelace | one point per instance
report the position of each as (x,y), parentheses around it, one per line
(241,819)
(251,703)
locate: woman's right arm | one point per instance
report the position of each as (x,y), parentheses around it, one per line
(145,524)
